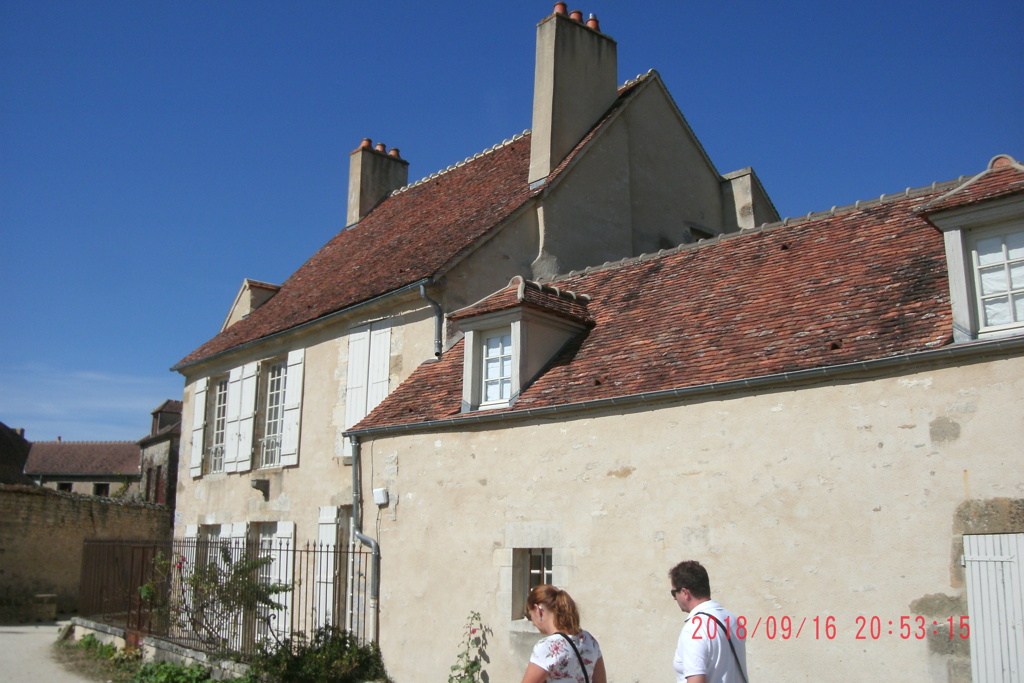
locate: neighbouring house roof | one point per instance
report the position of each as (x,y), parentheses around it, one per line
(171,405)
(418,232)
(859,283)
(99,458)
(13,452)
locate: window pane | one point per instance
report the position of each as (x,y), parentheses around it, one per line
(1017,275)
(990,250)
(506,389)
(493,368)
(993,280)
(492,391)
(1015,244)
(1018,307)
(493,346)
(997,311)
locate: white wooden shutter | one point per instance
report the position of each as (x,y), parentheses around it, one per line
(327,558)
(995,603)
(232,412)
(247,416)
(358,359)
(379,370)
(198,427)
(292,408)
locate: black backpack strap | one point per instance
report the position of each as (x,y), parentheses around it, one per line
(579,656)
(739,665)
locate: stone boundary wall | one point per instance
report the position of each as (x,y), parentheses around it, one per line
(41,535)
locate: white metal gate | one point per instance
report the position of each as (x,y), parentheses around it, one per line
(995,600)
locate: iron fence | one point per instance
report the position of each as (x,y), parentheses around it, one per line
(226,595)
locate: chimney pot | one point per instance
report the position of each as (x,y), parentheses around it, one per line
(381,147)
(394,153)
(561,8)
(58,438)
(367,143)
(592,23)
(576,15)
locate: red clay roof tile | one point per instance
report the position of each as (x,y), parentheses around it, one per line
(863,284)
(417,232)
(83,458)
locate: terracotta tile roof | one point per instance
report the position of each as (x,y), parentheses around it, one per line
(171,405)
(83,458)
(863,283)
(1003,177)
(417,232)
(521,292)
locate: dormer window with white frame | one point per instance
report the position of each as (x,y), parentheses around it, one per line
(985,255)
(510,338)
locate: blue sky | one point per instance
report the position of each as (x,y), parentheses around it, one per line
(155,153)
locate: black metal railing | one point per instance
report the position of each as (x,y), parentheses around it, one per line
(226,595)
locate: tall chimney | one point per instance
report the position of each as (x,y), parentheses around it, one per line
(575,83)
(372,175)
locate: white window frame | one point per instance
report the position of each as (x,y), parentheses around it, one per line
(218,397)
(474,359)
(503,357)
(275,385)
(961,229)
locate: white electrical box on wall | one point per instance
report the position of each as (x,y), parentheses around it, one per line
(380,496)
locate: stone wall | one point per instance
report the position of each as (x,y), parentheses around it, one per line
(41,535)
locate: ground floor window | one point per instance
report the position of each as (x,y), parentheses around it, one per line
(101,489)
(530,567)
(64,486)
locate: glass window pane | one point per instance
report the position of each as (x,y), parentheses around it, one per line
(506,366)
(1017,275)
(1018,307)
(506,389)
(993,280)
(492,368)
(493,346)
(990,250)
(492,391)
(997,311)
(1015,244)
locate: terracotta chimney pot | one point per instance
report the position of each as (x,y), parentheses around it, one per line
(592,23)
(381,147)
(394,153)
(561,8)
(367,143)
(576,15)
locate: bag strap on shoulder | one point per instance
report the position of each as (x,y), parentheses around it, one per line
(578,656)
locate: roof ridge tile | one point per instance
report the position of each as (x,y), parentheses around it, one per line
(460,164)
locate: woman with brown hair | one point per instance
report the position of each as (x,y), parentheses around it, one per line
(566,652)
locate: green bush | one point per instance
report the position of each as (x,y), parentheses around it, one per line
(97,649)
(171,672)
(332,655)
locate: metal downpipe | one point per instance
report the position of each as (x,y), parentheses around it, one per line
(438,321)
(357,531)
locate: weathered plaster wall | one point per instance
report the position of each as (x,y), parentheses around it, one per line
(844,500)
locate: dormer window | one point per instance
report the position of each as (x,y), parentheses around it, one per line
(511,336)
(497,367)
(984,237)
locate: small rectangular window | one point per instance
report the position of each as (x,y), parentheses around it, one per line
(101,489)
(64,486)
(530,567)
(497,374)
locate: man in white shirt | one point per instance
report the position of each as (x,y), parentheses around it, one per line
(709,651)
